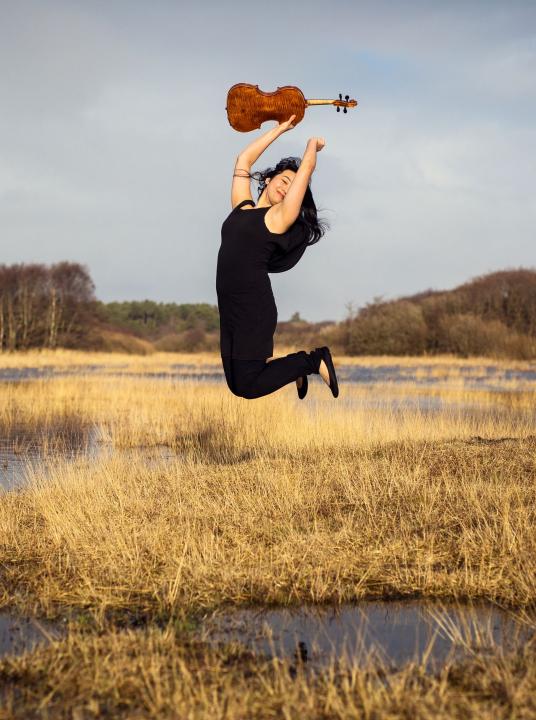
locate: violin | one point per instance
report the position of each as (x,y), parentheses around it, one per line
(248,107)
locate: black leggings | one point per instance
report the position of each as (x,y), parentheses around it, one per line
(255,378)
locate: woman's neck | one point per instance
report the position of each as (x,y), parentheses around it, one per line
(263,201)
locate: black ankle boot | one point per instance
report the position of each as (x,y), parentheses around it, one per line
(315,357)
(326,357)
(302,391)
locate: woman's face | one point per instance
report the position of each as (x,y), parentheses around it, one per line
(277,187)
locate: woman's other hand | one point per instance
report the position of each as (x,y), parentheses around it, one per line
(317,143)
(287,125)
(314,145)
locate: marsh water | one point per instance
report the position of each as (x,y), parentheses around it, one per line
(386,632)
(22,634)
(24,450)
(389,634)
(483,377)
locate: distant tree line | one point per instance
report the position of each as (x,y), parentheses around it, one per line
(168,326)
(492,315)
(44,307)
(54,306)
(147,317)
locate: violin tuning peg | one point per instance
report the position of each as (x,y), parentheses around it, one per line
(346,97)
(344,110)
(340,96)
(338,109)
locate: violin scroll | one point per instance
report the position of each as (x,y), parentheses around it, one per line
(346,103)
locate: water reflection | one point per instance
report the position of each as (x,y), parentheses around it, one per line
(23,450)
(486,377)
(483,377)
(17,467)
(387,633)
(21,634)
(392,633)
(182,371)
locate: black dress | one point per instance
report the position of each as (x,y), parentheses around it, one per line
(248,252)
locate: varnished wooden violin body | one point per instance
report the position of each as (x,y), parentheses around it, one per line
(248,107)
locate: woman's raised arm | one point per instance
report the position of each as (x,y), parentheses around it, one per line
(241,188)
(255,149)
(285,213)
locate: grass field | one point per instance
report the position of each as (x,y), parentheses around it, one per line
(202,500)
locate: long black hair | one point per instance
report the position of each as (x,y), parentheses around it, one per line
(316,227)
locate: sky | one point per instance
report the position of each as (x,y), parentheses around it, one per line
(116,151)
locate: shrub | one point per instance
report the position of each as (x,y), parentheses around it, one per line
(394,328)
(467,334)
(112,341)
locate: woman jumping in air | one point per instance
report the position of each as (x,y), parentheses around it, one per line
(255,240)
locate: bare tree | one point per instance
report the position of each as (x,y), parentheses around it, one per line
(44,306)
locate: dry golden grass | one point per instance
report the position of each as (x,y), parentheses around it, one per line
(132,411)
(275,500)
(72,358)
(201,499)
(444,519)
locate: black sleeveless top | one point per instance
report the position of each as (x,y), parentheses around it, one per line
(248,252)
